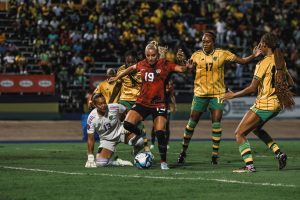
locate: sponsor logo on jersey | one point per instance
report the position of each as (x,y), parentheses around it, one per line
(158,71)
(7,83)
(45,83)
(26,83)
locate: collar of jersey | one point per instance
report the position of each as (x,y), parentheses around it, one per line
(209,54)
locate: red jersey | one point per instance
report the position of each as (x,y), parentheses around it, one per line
(154,80)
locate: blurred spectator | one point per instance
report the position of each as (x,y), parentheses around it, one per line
(54,23)
(221,32)
(38,44)
(44,62)
(76,60)
(9,63)
(89,61)
(62,78)
(80,74)
(2,37)
(21,63)
(77,47)
(57,9)
(52,37)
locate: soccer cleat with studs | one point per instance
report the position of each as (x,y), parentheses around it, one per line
(247,168)
(164,166)
(181,158)
(282,158)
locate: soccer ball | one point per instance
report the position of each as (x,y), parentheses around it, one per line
(143,160)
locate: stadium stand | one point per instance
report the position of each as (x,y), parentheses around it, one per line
(74,40)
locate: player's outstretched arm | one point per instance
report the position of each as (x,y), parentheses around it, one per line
(248,90)
(255,53)
(90,163)
(115,92)
(126,72)
(183,68)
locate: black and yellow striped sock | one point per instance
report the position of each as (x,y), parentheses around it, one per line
(245,151)
(216,138)
(266,138)
(188,133)
(274,147)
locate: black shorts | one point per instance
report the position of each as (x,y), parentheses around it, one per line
(145,111)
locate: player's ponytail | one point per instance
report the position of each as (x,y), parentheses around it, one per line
(154,45)
(282,77)
(162,50)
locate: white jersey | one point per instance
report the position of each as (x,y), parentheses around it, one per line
(109,126)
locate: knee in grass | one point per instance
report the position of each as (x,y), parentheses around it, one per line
(102,162)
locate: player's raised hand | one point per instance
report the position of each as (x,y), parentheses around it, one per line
(180,56)
(189,64)
(256,51)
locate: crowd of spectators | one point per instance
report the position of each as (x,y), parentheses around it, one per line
(70,36)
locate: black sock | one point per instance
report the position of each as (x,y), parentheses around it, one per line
(162,144)
(152,136)
(132,128)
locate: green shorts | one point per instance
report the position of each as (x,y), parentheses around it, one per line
(200,104)
(264,115)
(127,104)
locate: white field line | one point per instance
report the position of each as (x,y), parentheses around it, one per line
(151,177)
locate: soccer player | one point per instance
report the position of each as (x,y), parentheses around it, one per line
(106,88)
(105,119)
(208,87)
(271,80)
(128,89)
(151,100)
(171,106)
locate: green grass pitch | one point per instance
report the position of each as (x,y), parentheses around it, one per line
(55,171)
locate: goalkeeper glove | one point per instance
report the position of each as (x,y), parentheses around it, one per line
(90,163)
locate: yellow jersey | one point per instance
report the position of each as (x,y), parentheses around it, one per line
(209,80)
(106,89)
(265,73)
(131,85)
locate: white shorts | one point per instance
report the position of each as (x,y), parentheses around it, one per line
(111,144)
